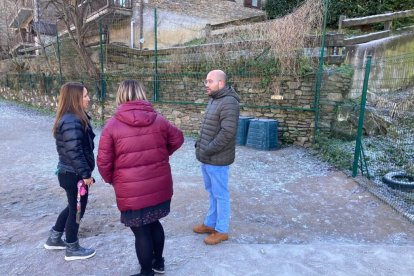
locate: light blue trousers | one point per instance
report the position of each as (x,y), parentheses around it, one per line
(216,180)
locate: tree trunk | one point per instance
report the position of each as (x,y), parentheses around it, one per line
(92,70)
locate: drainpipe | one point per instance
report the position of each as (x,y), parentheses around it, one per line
(132,33)
(141,23)
(36,16)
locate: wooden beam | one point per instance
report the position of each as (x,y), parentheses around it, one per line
(366,38)
(375,18)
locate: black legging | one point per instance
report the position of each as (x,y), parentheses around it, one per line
(149,244)
(66,220)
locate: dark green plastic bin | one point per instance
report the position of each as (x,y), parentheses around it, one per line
(262,134)
(242,129)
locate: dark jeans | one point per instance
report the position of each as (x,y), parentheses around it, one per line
(66,220)
(149,244)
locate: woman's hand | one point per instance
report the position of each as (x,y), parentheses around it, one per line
(89,181)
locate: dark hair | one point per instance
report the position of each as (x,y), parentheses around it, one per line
(71,101)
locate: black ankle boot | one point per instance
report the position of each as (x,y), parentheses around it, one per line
(55,240)
(158,266)
(76,252)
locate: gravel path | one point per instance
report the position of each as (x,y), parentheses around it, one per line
(292,214)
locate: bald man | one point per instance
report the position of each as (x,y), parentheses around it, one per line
(215,149)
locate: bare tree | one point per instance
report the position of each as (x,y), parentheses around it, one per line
(73,13)
(5,35)
(7,38)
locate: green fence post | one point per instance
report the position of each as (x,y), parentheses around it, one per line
(30,81)
(357,153)
(320,73)
(58,56)
(101,60)
(43,81)
(156,83)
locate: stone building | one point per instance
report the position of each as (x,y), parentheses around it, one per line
(132,23)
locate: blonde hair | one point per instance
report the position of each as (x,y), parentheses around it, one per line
(130,90)
(71,101)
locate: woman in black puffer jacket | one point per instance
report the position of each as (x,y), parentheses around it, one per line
(74,143)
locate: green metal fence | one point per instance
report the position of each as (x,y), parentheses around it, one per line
(47,84)
(389,150)
(377,138)
(118,55)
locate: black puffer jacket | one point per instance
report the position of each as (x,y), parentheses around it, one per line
(75,146)
(217,141)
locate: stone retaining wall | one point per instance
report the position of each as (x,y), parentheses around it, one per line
(287,100)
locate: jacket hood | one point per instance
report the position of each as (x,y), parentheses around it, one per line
(226,91)
(136,113)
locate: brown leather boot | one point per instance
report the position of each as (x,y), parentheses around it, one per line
(203,229)
(216,238)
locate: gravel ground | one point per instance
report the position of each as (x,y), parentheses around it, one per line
(292,214)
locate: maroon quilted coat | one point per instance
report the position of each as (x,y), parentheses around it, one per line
(133,155)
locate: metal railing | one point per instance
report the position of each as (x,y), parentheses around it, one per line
(121,3)
(99,5)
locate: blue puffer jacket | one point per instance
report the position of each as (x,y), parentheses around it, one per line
(75,146)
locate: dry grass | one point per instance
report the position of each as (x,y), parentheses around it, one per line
(283,39)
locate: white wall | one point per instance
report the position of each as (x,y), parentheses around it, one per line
(172,29)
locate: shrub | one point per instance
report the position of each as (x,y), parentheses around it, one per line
(349,8)
(279,8)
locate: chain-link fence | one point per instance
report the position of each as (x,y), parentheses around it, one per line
(116,44)
(388,146)
(374,131)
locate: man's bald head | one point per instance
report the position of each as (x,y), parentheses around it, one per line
(217,75)
(215,81)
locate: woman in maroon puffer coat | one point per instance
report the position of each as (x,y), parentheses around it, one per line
(133,156)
